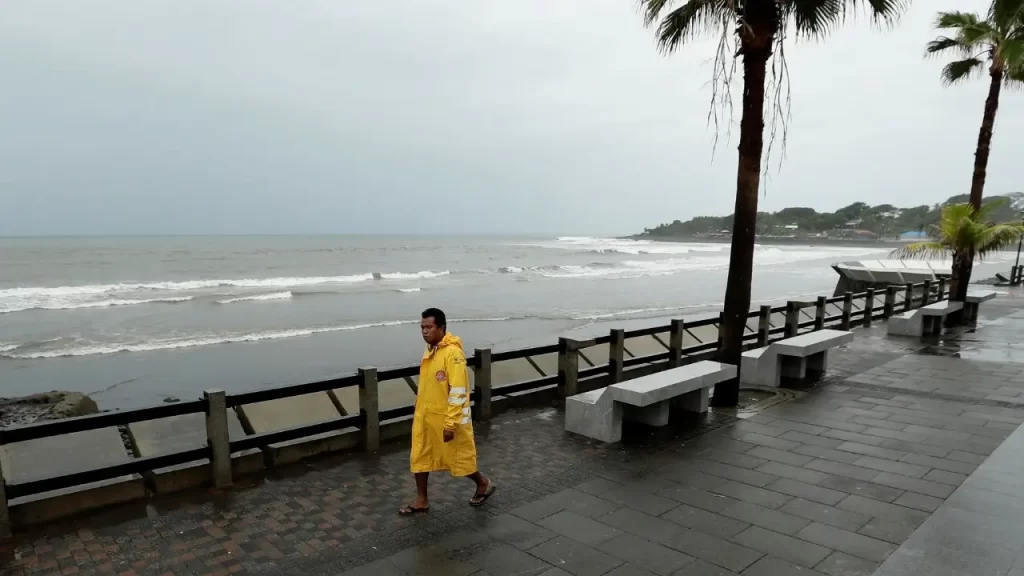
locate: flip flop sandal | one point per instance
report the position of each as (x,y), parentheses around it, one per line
(479,499)
(412,511)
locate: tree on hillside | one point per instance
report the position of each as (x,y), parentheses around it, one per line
(998,42)
(759,29)
(963,233)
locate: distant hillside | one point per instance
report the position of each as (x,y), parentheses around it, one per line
(855,220)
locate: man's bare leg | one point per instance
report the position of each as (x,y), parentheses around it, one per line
(421,504)
(484,488)
(421,490)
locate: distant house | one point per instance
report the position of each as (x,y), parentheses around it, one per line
(915,236)
(791,227)
(853,223)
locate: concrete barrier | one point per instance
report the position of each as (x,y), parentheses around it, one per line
(181,433)
(67,454)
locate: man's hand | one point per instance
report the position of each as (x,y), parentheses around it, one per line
(449,435)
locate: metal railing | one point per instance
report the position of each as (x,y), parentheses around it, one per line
(841,312)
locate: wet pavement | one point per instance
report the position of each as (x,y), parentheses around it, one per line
(832,481)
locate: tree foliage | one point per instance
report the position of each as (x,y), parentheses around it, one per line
(884,219)
(974,41)
(963,231)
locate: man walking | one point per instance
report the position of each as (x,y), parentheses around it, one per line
(442,427)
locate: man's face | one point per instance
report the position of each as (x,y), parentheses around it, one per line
(432,333)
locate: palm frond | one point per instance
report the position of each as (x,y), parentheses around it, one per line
(1014,78)
(962,230)
(887,10)
(961,70)
(1011,53)
(652,9)
(957,20)
(943,43)
(921,250)
(1005,14)
(688,21)
(815,18)
(997,238)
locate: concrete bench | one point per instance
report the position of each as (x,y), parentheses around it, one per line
(974,299)
(598,414)
(791,358)
(925,321)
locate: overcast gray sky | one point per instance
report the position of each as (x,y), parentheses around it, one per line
(525,116)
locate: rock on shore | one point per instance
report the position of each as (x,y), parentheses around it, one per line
(46,406)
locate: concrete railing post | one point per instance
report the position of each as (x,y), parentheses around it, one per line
(942,290)
(890,302)
(369,408)
(675,343)
(482,383)
(792,319)
(616,354)
(217,437)
(908,298)
(869,306)
(819,313)
(926,293)
(764,326)
(847,311)
(568,367)
(5,517)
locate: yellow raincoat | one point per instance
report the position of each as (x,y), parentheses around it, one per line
(442,403)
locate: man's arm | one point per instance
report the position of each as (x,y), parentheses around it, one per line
(458,388)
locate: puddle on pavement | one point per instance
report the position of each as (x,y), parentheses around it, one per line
(1007,354)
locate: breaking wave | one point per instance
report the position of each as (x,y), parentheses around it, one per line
(633,247)
(407,290)
(258,297)
(189,342)
(70,304)
(103,295)
(54,349)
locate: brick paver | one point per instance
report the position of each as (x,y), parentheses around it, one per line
(828,483)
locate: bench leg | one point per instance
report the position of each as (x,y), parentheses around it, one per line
(793,368)
(928,325)
(696,401)
(601,420)
(970,312)
(653,415)
(817,365)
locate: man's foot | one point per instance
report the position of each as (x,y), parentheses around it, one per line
(482,493)
(412,510)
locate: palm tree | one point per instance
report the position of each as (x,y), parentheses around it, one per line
(759,27)
(997,40)
(963,233)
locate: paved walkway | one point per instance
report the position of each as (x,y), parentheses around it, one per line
(832,482)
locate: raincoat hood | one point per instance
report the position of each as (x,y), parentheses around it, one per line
(450,340)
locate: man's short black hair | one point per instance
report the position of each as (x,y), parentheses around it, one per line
(437,315)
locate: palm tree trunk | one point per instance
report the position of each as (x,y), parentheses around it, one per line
(757,36)
(964,265)
(961,278)
(988,122)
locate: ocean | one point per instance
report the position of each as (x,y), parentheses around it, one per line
(133,321)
